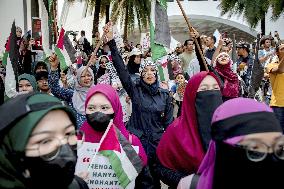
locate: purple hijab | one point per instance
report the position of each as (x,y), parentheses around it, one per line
(228,109)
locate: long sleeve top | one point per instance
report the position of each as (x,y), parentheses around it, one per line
(64,94)
(151,113)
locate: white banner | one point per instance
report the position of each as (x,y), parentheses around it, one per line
(101,176)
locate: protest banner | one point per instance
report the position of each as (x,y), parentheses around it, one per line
(101,174)
(36,34)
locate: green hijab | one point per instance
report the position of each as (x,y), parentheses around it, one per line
(30,78)
(15,136)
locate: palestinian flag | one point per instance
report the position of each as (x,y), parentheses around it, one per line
(124,160)
(11,56)
(46,26)
(160,37)
(6,53)
(64,50)
(165,69)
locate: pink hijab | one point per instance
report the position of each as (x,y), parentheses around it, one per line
(231,82)
(93,136)
(180,147)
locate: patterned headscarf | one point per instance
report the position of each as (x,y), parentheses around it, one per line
(145,63)
(176,66)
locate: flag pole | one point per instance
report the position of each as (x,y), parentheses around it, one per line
(191,30)
(113,17)
(100,42)
(100,143)
(54,6)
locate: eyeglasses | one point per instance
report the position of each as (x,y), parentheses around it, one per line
(257,151)
(49,148)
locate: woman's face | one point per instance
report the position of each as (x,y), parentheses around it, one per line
(25,86)
(208,83)
(99,103)
(259,141)
(180,79)
(149,75)
(86,79)
(19,32)
(103,62)
(223,59)
(47,135)
(137,59)
(174,62)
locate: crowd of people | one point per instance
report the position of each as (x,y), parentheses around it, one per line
(218,123)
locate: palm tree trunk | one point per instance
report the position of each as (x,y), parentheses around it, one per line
(96,16)
(107,13)
(262,25)
(125,34)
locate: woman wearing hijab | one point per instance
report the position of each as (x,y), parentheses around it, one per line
(27,83)
(103,105)
(175,62)
(134,62)
(246,150)
(229,78)
(37,144)
(75,97)
(152,109)
(183,145)
(223,70)
(102,75)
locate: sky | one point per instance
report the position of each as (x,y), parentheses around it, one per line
(60,6)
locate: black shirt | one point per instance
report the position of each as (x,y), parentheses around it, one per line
(209,53)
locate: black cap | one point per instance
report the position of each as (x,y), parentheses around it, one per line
(40,75)
(243,45)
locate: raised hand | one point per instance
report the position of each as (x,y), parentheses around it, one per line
(108,34)
(53,60)
(194,33)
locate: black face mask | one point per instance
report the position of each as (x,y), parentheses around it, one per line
(56,173)
(206,103)
(234,170)
(99,121)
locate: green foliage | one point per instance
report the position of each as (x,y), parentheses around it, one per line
(253,10)
(133,10)
(277,8)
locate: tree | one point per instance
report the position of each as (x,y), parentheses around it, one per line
(133,12)
(101,8)
(277,8)
(253,10)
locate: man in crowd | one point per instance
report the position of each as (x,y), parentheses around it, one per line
(187,55)
(244,63)
(276,73)
(42,82)
(210,42)
(266,54)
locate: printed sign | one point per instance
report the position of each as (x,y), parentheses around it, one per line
(145,41)
(101,174)
(36,33)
